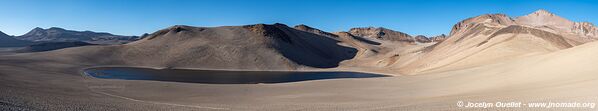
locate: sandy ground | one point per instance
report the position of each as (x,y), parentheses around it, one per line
(492,61)
(563,76)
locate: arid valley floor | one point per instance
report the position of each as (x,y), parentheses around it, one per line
(539,57)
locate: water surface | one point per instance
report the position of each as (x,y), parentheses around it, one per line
(218,76)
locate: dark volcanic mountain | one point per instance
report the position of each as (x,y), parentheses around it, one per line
(9,41)
(55,34)
(260,46)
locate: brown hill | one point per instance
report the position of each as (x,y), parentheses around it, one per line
(260,46)
(487,39)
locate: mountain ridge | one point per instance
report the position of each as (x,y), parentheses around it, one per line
(56,34)
(472,42)
(9,41)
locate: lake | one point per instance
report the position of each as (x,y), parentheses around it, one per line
(218,76)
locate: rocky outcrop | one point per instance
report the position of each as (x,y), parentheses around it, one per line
(382,34)
(585,29)
(438,38)
(309,29)
(491,19)
(422,39)
(547,21)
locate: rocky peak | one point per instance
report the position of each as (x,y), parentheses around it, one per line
(369,31)
(547,21)
(56,28)
(494,19)
(422,39)
(438,38)
(542,12)
(309,29)
(585,29)
(35,30)
(303,27)
(273,31)
(2,34)
(542,18)
(382,34)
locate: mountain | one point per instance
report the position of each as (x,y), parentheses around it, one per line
(55,34)
(259,46)
(365,47)
(309,29)
(476,41)
(577,31)
(9,41)
(383,34)
(492,38)
(438,38)
(424,39)
(473,42)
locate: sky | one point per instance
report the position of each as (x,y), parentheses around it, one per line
(135,17)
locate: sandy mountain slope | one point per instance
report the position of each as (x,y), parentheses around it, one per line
(365,47)
(438,38)
(376,47)
(260,46)
(570,70)
(8,41)
(486,39)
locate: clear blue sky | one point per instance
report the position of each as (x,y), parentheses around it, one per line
(135,17)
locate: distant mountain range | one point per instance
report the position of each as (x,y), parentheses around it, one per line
(471,42)
(474,41)
(9,41)
(54,38)
(55,34)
